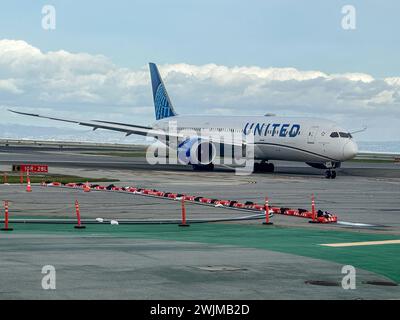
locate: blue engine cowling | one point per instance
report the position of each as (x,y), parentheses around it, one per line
(195,151)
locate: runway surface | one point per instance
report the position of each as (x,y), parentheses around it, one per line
(83,159)
(230,260)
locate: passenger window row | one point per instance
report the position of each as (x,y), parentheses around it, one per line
(211,129)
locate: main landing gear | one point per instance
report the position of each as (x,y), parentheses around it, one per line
(264,167)
(203,167)
(330,174)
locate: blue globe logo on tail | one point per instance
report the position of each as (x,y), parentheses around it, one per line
(162,104)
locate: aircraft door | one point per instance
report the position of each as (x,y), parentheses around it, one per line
(312,134)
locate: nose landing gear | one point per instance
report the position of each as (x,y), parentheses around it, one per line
(330,167)
(330,174)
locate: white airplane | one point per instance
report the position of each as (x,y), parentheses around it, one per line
(320,143)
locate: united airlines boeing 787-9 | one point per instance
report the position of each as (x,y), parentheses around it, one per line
(320,143)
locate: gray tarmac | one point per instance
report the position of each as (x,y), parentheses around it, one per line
(107,268)
(362,193)
(100,267)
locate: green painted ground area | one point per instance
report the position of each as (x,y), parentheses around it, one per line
(382,259)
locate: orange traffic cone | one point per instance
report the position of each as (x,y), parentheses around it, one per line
(28,186)
(78,216)
(6,228)
(266,206)
(314,216)
(183,222)
(86,188)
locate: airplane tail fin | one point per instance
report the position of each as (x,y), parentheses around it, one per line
(162,104)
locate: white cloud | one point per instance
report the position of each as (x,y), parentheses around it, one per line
(393,81)
(9,85)
(94,86)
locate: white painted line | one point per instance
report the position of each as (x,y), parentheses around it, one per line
(356,224)
(365,243)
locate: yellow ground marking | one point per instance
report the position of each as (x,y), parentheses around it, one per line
(365,243)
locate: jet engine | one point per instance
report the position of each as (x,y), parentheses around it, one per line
(196,151)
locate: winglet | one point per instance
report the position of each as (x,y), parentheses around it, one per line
(24,113)
(359,130)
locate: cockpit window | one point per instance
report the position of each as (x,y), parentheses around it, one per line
(341,134)
(344,135)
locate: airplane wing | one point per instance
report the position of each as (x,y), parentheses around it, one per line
(129,129)
(163,109)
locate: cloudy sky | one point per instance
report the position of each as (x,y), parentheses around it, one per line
(217,57)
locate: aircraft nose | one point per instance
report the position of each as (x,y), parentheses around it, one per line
(350,150)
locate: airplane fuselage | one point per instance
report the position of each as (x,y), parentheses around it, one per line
(309,140)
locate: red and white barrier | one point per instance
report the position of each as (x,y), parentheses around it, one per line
(249,206)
